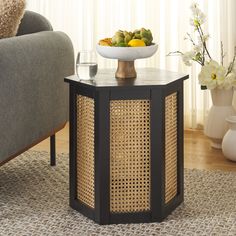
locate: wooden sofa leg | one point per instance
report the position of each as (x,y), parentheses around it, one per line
(52,150)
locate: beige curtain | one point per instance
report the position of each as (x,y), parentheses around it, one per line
(88,21)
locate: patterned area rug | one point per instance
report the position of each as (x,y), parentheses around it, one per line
(34,201)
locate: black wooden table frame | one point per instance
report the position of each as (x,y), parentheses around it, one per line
(102,96)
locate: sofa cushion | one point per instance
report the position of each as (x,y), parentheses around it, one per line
(11,13)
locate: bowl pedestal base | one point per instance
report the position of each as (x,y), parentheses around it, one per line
(126,70)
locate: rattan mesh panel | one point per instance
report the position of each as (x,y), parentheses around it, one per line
(85,150)
(129,156)
(170,147)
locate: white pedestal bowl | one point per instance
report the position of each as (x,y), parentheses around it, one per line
(126,57)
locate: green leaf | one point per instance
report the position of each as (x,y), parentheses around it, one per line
(198,56)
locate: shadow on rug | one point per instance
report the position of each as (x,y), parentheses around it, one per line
(34,201)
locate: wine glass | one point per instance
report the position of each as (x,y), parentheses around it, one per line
(86,65)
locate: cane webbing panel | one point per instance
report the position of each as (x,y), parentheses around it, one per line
(170,147)
(129,156)
(85,150)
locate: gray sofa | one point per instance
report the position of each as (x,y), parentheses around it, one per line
(33,95)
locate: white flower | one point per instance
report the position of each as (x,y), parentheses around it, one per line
(195,9)
(192,22)
(197,48)
(212,75)
(199,17)
(187,57)
(204,39)
(198,20)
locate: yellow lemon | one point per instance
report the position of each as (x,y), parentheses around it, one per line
(136,43)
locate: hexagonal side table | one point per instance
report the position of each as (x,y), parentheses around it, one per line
(126,146)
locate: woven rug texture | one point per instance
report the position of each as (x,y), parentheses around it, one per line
(34,201)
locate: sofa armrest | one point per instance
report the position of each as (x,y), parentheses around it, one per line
(33,22)
(33,95)
(35,56)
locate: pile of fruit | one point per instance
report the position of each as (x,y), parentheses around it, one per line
(138,38)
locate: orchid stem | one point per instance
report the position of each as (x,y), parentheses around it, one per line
(203,41)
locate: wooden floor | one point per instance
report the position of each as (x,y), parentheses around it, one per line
(198,153)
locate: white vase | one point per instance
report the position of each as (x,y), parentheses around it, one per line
(229,140)
(216,125)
